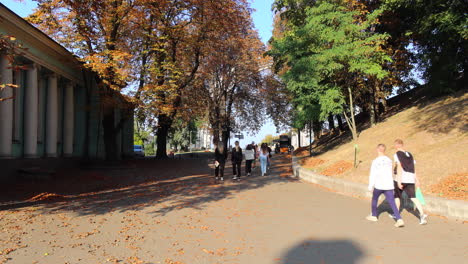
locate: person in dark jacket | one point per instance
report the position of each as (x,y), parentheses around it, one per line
(220,160)
(236,158)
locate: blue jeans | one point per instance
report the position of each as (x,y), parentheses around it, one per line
(390,199)
(263,164)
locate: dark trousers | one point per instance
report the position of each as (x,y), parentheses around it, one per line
(219,171)
(390,199)
(248,166)
(236,168)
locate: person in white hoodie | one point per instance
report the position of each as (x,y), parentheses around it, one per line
(381,182)
(249,159)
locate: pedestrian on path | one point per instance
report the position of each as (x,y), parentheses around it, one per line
(269,157)
(220,160)
(249,159)
(255,149)
(406,179)
(263,158)
(236,158)
(381,182)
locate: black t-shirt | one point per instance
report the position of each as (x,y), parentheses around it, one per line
(237,154)
(406,160)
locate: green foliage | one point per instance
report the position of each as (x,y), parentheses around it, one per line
(269,139)
(141,135)
(326,53)
(182,132)
(439,32)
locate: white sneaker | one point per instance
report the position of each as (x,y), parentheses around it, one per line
(392,216)
(222,179)
(234,178)
(248,174)
(372,218)
(400,223)
(217,178)
(423,220)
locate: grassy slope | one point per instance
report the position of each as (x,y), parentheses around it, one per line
(435,131)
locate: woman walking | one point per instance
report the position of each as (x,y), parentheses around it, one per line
(263,157)
(220,160)
(249,159)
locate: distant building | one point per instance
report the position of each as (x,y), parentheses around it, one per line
(55,111)
(204,139)
(303,139)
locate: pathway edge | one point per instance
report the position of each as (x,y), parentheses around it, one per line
(455,209)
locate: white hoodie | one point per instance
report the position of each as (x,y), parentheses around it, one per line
(381,174)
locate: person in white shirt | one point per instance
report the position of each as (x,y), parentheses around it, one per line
(249,159)
(406,179)
(381,182)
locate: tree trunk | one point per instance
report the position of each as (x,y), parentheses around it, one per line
(164,124)
(310,138)
(316,127)
(161,141)
(226,135)
(372,112)
(340,123)
(351,120)
(331,123)
(299,138)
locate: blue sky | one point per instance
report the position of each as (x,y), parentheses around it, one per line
(263,20)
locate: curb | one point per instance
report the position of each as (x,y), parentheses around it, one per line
(455,209)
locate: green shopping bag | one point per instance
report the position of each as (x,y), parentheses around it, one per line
(420,196)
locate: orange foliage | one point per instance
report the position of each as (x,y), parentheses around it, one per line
(311,162)
(337,168)
(454,186)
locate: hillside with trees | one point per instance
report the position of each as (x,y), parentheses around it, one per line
(341,63)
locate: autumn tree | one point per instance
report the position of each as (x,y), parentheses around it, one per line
(97,32)
(230,80)
(177,36)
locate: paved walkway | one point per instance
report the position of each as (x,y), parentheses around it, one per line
(193,220)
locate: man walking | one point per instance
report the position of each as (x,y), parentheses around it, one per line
(381,182)
(406,179)
(236,158)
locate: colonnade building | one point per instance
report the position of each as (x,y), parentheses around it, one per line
(54,110)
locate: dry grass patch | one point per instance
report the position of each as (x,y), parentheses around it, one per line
(302,151)
(454,186)
(337,168)
(435,131)
(311,163)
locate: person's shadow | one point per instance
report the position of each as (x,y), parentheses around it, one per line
(323,251)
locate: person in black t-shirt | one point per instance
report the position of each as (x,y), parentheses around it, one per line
(406,179)
(220,160)
(236,158)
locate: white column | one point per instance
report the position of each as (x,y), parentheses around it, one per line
(30,112)
(69,120)
(6,109)
(51,117)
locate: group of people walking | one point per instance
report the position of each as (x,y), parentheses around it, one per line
(392,181)
(251,154)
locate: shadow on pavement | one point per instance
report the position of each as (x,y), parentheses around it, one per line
(323,251)
(172,185)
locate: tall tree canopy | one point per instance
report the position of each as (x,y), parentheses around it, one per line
(155,46)
(327,55)
(231,82)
